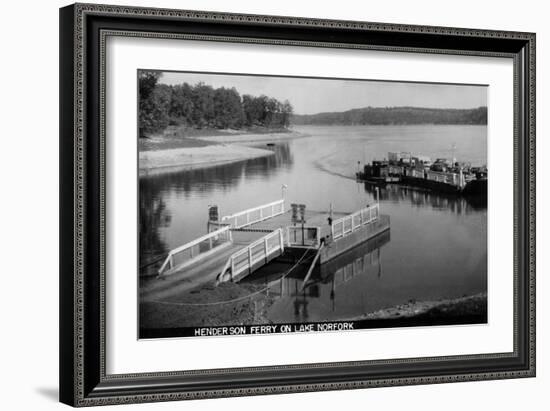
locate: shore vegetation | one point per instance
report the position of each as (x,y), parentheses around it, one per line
(201,106)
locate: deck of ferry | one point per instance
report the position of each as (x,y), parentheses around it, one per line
(241,246)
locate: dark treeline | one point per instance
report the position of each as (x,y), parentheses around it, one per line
(202,106)
(395,115)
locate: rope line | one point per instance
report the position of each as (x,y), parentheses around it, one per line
(152,263)
(234,299)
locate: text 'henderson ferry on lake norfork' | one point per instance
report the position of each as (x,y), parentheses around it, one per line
(449,176)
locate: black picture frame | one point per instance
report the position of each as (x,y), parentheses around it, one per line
(83,30)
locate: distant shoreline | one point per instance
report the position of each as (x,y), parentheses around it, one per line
(395,116)
(253,138)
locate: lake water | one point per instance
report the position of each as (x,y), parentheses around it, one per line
(437,246)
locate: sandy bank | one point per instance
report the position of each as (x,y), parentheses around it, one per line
(181,311)
(254,138)
(179,159)
(446,308)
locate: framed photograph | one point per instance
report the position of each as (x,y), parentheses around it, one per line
(262,204)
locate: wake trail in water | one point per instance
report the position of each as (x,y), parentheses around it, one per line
(320,165)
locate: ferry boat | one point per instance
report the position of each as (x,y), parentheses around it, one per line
(444,175)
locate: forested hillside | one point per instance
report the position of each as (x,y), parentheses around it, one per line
(395,115)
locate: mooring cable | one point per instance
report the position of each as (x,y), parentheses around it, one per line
(234,299)
(152,262)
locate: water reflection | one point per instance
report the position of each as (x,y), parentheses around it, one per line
(221,177)
(327,279)
(155,215)
(422,198)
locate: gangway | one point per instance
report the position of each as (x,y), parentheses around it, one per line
(221,237)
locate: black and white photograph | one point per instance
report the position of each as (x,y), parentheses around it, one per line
(273,204)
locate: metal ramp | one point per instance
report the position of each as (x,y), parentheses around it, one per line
(219,255)
(196,250)
(193,275)
(252,257)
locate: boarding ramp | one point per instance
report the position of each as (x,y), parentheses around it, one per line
(196,250)
(255,255)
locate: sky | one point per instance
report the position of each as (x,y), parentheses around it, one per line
(313,95)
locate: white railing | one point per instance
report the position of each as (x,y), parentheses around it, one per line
(392,169)
(348,224)
(415,173)
(303,236)
(216,225)
(447,178)
(254,215)
(257,252)
(184,254)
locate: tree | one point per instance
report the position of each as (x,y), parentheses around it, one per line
(228,110)
(181,105)
(147,81)
(154,110)
(203,105)
(286,111)
(253,110)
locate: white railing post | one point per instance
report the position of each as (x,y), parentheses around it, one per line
(288,236)
(265,249)
(318,235)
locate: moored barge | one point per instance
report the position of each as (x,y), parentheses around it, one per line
(443,175)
